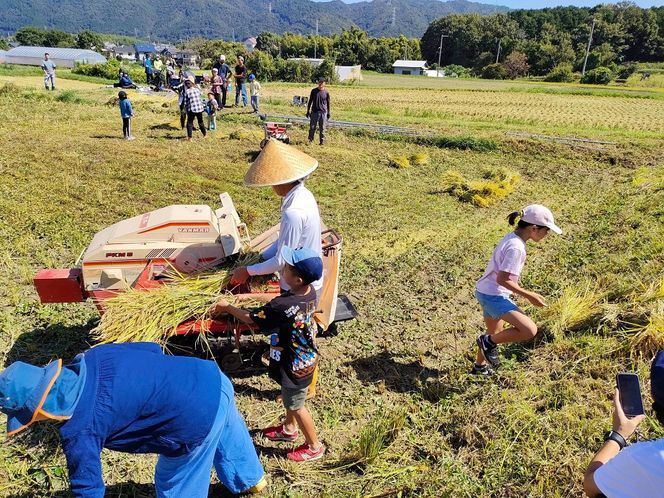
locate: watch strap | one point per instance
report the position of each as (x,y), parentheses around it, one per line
(615,436)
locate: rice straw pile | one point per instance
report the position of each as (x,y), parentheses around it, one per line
(153,315)
(577,306)
(495,185)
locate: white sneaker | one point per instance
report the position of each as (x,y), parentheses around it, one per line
(131,138)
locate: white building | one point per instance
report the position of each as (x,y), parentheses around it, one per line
(63,57)
(417,68)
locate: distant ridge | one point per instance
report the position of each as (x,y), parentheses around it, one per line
(176,19)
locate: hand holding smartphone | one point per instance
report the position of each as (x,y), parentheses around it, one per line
(629,388)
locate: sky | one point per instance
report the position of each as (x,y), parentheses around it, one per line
(540,4)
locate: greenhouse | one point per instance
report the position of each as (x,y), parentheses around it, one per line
(63,57)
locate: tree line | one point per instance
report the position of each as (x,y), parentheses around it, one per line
(542,42)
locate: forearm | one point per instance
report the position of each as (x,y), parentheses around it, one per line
(608,450)
(239,313)
(512,286)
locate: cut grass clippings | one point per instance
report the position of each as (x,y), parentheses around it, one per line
(494,185)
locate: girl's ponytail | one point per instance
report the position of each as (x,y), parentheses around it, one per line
(512,217)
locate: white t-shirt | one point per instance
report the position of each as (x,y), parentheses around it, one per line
(635,472)
(300,227)
(510,256)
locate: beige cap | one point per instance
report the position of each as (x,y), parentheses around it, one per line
(278,164)
(536,214)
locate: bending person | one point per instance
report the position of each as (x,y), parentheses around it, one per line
(133,398)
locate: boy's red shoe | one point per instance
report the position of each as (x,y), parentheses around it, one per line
(278,433)
(305,453)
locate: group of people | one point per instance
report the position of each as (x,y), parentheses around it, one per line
(132,398)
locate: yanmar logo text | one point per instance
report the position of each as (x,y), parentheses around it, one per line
(193,230)
(119,254)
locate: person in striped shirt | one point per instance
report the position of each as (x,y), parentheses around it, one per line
(193,103)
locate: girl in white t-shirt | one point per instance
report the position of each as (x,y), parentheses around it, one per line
(501,280)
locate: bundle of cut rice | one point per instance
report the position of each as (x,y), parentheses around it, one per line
(153,315)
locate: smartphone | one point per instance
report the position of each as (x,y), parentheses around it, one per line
(630,394)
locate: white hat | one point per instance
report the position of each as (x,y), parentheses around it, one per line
(536,214)
(278,164)
(222,57)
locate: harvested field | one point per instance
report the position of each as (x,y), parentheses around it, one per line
(396,406)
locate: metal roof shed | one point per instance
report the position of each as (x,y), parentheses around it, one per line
(409,67)
(63,57)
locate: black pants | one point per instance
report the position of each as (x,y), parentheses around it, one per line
(224,91)
(126,127)
(190,123)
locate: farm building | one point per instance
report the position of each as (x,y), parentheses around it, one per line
(344,73)
(63,57)
(250,44)
(417,68)
(124,52)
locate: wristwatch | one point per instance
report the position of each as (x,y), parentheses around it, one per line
(615,436)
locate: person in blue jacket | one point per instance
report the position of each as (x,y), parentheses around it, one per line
(126,113)
(133,398)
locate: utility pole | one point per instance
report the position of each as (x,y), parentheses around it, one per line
(590,40)
(440,53)
(316,41)
(498,52)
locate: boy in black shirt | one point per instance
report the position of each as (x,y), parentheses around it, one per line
(293,352)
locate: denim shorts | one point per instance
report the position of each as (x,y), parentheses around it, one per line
(495,306)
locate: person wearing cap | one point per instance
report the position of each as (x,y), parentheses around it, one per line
(254,92)
(501,280)
(318,110)
(621,470)
(293,352)
(134,399)
(224,72)
(193,103)
(216,83)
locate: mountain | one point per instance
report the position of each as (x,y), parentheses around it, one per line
(181,19)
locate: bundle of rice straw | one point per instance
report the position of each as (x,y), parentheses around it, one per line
(153,315)
(577,306)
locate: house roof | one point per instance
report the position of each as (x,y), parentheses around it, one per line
(57,53)
(405,63)
(124,48)
(145,48)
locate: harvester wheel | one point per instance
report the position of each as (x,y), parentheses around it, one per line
(231,362)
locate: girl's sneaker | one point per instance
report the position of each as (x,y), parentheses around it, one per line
(482,370)
(305,453)
(278,433)
(490,351)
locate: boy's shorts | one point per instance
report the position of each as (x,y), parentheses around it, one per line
(294,398)
(495,306)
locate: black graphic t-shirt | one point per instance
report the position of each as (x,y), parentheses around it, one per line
(293,352)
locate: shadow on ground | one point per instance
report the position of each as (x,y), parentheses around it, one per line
(129,490)
(44,344)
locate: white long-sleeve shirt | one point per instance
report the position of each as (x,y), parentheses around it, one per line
(300,227)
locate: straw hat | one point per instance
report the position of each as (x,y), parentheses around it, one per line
(278,164)
(191,79)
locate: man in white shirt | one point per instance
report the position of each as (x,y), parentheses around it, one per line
(284,168)
(48,66)
(638,469)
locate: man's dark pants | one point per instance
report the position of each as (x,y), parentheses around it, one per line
(317,119)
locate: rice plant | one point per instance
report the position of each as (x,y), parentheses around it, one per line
(418,159)
(399,162)
(494,185)
(153,315)
(378,435)
(576,307)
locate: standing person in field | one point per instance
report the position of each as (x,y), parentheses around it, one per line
(149,69)
(623,470)
(132,398)
(240,82)
(318,110)
(48,66)
(194,105)
(501,280)
(211,111)
(255,91)
(217,83)
(126,112)
(225,74)
(293,355)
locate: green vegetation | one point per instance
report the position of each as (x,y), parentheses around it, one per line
(396,406)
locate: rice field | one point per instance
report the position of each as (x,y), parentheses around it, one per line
(396,407)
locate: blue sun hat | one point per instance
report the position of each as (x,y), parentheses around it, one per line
(29,393)
(307,262)
(252,77)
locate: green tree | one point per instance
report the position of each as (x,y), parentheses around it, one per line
(268,43)
(59,38)
(30,36)
(516,65)
(3,44)
(89,40)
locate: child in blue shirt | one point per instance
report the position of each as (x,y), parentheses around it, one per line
(127,113)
